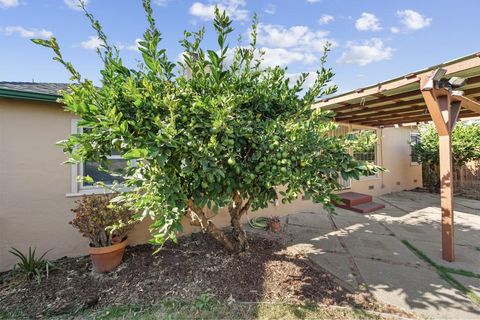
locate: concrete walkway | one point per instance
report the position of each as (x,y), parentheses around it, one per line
(367,250)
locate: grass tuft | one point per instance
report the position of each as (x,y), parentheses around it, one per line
(213,309)
(444,273)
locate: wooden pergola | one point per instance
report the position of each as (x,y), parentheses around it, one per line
(442,93)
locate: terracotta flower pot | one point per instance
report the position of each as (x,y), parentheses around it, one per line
(105,259)
(275,225)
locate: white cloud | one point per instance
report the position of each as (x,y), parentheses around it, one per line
(369,51)
(394,30)
(313,1)
(92,43)
(270,9)
(368,22)
(234,8)
(26,33)
(9,3)
(325,19)
(282,57)
(274,57)
(413,20)
(74,4)
(297,38)
(161,3)
(309,81)
(134,47)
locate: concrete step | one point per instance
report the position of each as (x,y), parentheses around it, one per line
(367,207)
(350,199)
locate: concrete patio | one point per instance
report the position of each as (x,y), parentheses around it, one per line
(366,250)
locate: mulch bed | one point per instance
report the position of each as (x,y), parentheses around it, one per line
(195,266)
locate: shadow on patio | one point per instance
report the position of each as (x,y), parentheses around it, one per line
(368,249)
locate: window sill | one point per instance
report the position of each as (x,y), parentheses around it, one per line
(87,192)
(369,178)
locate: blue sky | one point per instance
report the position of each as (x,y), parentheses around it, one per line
(373,40)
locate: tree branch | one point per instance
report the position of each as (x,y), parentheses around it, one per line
(208,226)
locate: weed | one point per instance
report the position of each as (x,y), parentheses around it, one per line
(444,273)
(204,302)
(30,266)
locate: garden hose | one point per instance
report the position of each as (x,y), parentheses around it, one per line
(259,222)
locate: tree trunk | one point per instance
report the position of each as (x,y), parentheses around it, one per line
(236,212)
(208,227)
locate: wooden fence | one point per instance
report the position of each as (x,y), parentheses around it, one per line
(466,180)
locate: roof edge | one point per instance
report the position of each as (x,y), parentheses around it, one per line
(27,95)
(406,76)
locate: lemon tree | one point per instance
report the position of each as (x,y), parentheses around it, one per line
(215,130)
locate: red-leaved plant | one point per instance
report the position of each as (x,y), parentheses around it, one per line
(101,221)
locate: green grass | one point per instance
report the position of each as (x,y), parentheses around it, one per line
(179,310)
(207,308)
(445,273)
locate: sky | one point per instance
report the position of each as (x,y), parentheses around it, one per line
(372,40)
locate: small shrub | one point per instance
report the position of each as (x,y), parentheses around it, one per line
(30,266)
(101,221)
(204,302)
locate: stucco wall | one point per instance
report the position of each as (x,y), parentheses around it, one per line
(34,208)
(393,153)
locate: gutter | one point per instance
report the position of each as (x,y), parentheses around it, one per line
(28,95)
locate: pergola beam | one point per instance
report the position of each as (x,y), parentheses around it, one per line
(436,110)
(412,111)
(377,101)
(468,103)
(455,106)
(395,107)
(452,68)
(354,110)
(409,119)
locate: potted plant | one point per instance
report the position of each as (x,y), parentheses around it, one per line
(106,225)
(274,224)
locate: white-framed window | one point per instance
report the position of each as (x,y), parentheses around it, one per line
(414,139)
(91,169)
(369,155)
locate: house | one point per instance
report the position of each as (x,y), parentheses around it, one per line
(38,191)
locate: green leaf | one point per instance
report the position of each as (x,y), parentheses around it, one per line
(135,154)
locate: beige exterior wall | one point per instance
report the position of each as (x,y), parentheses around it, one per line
(34,208)
(393,153)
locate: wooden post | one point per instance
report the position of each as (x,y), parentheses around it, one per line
(444,113)
(449,116)
(446,196)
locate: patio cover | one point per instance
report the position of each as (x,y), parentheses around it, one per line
(431,94)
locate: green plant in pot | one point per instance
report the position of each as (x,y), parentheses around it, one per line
(106,225)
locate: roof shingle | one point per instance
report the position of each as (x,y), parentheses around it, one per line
(35,87)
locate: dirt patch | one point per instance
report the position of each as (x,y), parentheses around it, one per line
(197,265)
